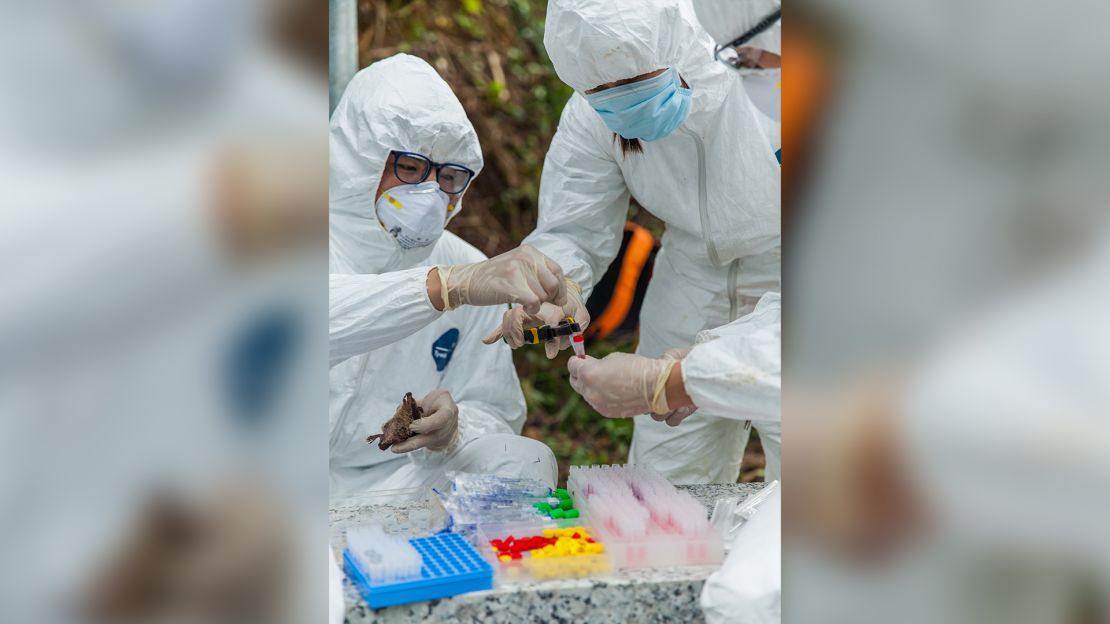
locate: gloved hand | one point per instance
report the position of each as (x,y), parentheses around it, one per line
(522,275)
(675,416)
(622,385)
(439,427)
(515,320)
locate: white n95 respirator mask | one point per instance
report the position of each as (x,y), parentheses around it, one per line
(415,214)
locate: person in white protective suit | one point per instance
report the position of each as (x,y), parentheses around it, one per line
(655,118)
(748,34)
(733,371)
(387,333)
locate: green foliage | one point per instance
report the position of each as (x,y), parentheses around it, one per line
(494,90)
(469,25)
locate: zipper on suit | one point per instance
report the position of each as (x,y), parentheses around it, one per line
(703,213)
(703,196)
(710,247)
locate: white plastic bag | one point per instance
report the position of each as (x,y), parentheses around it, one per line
(747,589)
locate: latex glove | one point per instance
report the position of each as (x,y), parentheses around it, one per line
(622,385)
(675,417)
(438,428)
(515,320)
(522,275)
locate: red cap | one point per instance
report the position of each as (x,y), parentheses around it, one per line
(578,338)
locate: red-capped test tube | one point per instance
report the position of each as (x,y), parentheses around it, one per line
(579,344)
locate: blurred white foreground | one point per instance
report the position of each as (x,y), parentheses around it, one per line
(949,336)
(162,244)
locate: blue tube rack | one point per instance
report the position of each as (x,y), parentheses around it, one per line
(451,567)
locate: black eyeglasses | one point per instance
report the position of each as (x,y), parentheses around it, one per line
(763,25)
(413,168)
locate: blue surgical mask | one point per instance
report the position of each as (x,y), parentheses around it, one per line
(648,110)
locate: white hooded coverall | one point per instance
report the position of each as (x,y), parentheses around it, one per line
(735,371)
(714,182)
(385,337)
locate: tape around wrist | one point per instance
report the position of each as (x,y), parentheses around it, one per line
(658,399)
(444,272)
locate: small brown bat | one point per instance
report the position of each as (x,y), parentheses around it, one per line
(396,429)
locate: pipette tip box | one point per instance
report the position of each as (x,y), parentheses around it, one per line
(659,542)
(450,567)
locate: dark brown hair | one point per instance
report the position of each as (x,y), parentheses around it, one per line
(628,145)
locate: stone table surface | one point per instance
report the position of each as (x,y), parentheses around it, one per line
(627,596)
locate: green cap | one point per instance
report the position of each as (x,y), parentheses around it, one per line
(557,513)
(566,504)
(543,506)
(572,513)
(561,493)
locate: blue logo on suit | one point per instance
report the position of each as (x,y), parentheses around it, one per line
(443,347)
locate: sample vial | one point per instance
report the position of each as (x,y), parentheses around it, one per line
(579,345)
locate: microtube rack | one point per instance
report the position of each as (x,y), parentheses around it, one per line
(450,567)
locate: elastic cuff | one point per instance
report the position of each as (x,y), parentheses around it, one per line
(658,404)
(574,284)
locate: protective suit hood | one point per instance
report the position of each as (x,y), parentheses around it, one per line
(593,42)
(399,103)
(725,20)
